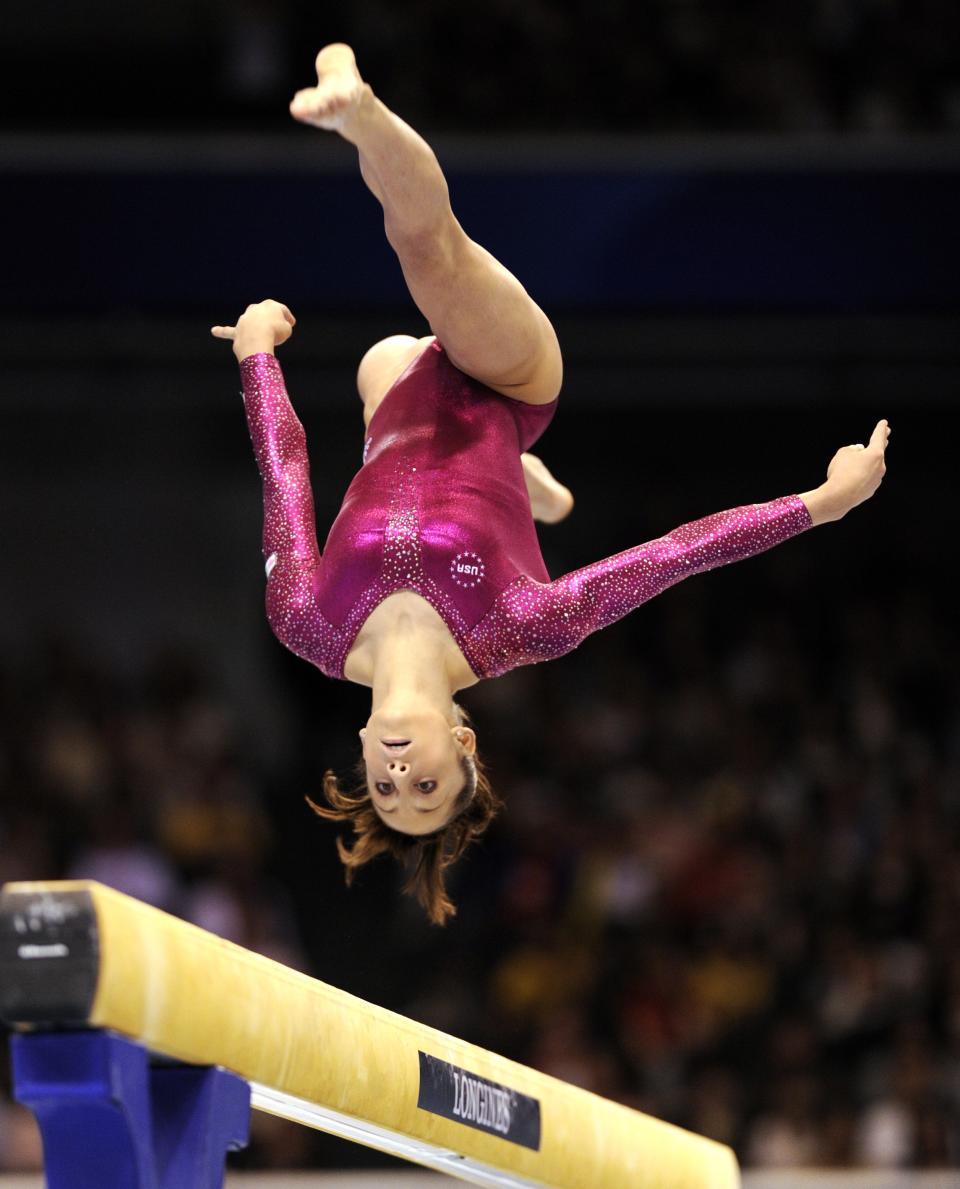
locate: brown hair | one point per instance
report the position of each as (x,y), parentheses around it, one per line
(426,856)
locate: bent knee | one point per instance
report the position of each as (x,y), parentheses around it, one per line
(525,364)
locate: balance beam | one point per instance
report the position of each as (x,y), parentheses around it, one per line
(81,955)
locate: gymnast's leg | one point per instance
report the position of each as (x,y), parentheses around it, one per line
(550,501)
(488,324)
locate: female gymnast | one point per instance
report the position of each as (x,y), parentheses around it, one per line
(431,578)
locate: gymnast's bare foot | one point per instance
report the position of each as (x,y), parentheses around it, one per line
(337,95)
(550,501)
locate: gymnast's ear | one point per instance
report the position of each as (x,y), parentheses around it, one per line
(466,737)
(362,733)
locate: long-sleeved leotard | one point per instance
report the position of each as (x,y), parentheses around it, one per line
(440,507)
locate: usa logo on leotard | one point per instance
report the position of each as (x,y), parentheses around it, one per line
(467,569)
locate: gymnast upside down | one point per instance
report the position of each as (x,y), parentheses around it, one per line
(431,578)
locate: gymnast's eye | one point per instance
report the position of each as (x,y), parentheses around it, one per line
(426,786)
(383,786)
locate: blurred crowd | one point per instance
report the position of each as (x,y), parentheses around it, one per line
(661,66)
(674,66)
(724,890)
(142,786)
(732,898)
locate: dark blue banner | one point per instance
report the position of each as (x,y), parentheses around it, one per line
(476,1102)
(673,240)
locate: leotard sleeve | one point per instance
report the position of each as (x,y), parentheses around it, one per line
(535,621)
(289,530)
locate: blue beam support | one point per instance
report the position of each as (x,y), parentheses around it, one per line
(111,1120)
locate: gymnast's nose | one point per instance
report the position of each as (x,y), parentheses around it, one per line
(398,767)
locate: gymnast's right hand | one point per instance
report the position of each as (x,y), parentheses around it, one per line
(262,326)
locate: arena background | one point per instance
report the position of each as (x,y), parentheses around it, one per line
(725,887)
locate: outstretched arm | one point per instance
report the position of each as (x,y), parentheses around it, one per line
(539,621)
(533,621)
(289,529)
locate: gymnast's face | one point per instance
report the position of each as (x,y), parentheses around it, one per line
(414,768)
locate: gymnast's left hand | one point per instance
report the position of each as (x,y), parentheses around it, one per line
(854,474)
(262,327)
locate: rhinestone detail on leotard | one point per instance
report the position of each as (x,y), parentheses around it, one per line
(442,479)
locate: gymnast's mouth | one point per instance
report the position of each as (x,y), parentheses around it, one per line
(395,744)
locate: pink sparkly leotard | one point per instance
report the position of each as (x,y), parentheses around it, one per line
(440,507)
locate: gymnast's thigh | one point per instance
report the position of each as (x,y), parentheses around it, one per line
(383,365)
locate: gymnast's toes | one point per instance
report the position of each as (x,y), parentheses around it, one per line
(338,91)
